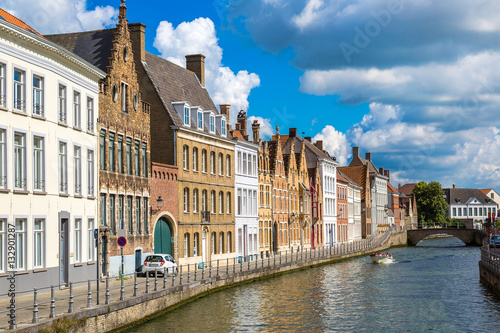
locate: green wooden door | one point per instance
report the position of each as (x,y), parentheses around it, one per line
(163,237)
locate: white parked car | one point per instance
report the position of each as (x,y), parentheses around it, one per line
(161,263)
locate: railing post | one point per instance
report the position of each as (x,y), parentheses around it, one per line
(107,301)
(195,272)
(256,263)
(135,284)
(89,296)
(189,274)
(203,272)
(165,273)
(147,283)
(71,308)
(173,279)
(210,270)
(180,279)
(217,267)
(286,257)
(52,303)
(248,261)
(227,266)
(234,265)
(156,279)
(35,307)
(241,265)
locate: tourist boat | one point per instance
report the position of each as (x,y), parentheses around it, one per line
(382,258)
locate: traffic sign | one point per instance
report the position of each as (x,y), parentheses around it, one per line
(122,241)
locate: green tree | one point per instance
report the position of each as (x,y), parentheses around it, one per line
(431,206)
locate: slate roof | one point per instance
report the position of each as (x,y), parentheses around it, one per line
(6,16)
(464,194)
(407,189)
(92,46)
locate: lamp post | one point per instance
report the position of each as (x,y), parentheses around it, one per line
(159,202)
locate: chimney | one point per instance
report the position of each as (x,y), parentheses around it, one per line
(368,156)
(137,35)
(256,130)
(242,121)
(196,63)
(454,186)
(387,174)
(308,138)
(319,144)
(292,132)
(355,152)
(225,110)
(381,170)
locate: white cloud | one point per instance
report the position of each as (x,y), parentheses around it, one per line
(199,36)
(309,14)
(335,142)
(61,16)
(266,129)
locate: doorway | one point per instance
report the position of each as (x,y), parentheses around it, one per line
(64,251)
(275,237)
(163,237)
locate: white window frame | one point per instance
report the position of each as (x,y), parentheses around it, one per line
(77,169)
(21,243)
(195,200)
(90,239)
(200,120)
(90,114)
(90,172)
(20,175)
(19,90)
(212,124)
(62,105)
(186,200)
(63,166)
(186,116)
(3,96)
(228,166)
(3,238)
(78,240)
(3,158)
(228,203)
(212,162)
(195,159)
(212,202)
(204,160)
(221,242)
(220,161)
(39,237)
(38,96)
(38,164)
(221,202)
(223,127)
(185,159)
(77,109)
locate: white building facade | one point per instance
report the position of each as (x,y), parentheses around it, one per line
(246,199)
(354,211)
(48,154)
(328,169)
(379,201)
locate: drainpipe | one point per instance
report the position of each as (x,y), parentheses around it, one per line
(175,148)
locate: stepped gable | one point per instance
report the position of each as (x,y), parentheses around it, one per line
(6,16)
(92,46)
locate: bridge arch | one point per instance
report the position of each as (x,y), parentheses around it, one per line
(471,237)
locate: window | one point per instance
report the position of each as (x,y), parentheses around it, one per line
(254,165)
(239,203)
(213,243)
(475,211)
(470,211)
(121,211)
(186,245)
(244,205)
(221,203)
(90,115)
(212,162)
(212,124)
(239,162)
(63,168)
(129,156)
(459,211)
(212,202)
(19,86)
(186,200)
(185,157)
(204,200)
(138,214)
(254,204)
(137,147)
(250,172)
(124,96)
(220,165)
(204,160)
(3,160)
(3,229)
(102,150)
(480,211)
(78,240)
(228,243)
(145,210)
(129,215)
(221,242)
(111,152)
(90,239)
(200,120)
(37,95)
(195,200)
(90,173)
(454,211)
(228,203)
(78,170)
(20,234)
(2,95)
(228,166)
(102,206)
(186,116)
(77,118)
(20,161)
(144,159)
(223,127)
(38,164)
(62,104)
(195,243)
(244,163)
(195,159)
(38,243)
(119,154)
(112,214)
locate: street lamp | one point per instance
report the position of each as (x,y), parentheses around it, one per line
(159,202)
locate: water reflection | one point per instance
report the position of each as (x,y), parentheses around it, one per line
(431,287)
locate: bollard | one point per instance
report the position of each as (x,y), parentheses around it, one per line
(217,267)
(35,307)
(241,265)
(147,283)
(210,270)
(173,279)
(227,266)
(89,296)
(203,272)
(107,301)
(269,261)
(180,278)
(52,303)
(234,266)
(248,261)
(156,279)
(135,284)
(195,272)
(71,301)
(165,273)
(189,274)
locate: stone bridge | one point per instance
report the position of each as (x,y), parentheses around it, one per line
(471,237)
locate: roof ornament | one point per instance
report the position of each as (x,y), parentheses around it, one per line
(123,1)
(277,129)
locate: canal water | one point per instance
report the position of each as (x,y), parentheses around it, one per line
(433,287)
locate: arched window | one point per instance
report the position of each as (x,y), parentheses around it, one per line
(186,200)
(204,160)
(195,200)
(221,242)
(212,202)
(228,243)
(221,202)
(186,245)
(221,166)
(228,203)
(213,242)
(195,159)
(212,162)
(228,165)
(196,244)
(185,158)
(204,200)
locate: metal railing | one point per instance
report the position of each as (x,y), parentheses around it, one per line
(118,288)
(490,258)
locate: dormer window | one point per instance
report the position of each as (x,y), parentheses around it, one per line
(200,120)
(212,124)
(186,116)
(223,128)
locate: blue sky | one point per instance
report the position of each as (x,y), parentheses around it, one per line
(414,82)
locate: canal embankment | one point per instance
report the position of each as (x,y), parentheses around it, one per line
(489,267)
(129,305)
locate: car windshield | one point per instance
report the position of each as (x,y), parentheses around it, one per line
(154,258)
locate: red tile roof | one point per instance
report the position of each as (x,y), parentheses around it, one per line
(407,189)
(14,20)
(486,191)
(237,134)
